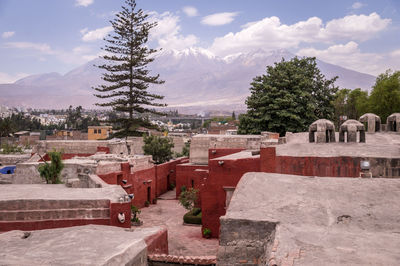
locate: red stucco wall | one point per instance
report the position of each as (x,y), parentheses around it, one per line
(309,166)
(213,194)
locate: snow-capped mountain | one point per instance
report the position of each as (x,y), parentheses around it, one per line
(194,77)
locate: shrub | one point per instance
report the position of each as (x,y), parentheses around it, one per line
(7,149)
(51,172)
(207,232)
(188,198)
(135,212)
(158,147)
(193,216)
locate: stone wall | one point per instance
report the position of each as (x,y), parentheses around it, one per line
(202,143)
(13,159)
(245,242)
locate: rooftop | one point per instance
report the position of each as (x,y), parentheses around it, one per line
(325,221)
(80,245)
(59,192)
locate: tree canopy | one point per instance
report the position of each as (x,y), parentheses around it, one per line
(127,77)
(289,97)
(350,103)
(385,96)
(383,101)
(158,147)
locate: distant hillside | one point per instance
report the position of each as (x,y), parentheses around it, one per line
(195,80)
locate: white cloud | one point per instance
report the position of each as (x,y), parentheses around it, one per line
(357,5)
(168,32)
(84,3)
(41,47)
(7,34)
(97,34)
(190,11)
(349,55)
(219,19)
(355,27)
(270,34)
(6,78)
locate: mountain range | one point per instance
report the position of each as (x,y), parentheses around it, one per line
(194,80)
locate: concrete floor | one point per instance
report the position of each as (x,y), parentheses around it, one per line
(183,240)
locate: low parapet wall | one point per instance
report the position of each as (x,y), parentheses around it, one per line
(54,206)
(13,159)
(201,144)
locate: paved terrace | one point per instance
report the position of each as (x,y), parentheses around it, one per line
(59,192)
(312,221)
(378,145)
(80,245)
(183,240)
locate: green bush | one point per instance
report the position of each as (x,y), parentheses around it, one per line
(207,232)
(188,198)
(193,216)
(158,147)
(51,172)
(7,149)
(135,212)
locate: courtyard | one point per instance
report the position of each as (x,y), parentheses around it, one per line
(183,240)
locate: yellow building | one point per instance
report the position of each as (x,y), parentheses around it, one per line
(99,132)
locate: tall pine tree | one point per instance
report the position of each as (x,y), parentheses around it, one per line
(127,77)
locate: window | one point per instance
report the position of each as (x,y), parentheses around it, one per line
(95,131)
(99,131)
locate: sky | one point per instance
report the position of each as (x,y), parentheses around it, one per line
(43,36)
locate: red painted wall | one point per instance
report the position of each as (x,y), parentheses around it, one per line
(66,156)
(157,243)
(309,166)
(213,194)
(166,175)
(115,208)
(185,173)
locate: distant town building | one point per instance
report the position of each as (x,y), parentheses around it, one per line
(99,132)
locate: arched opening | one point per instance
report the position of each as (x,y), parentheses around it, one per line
(377,126)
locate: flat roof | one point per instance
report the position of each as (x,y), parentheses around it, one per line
(330,221)
(79,245)
(377,145)
(59,192)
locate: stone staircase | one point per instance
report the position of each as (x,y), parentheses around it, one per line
(38,214)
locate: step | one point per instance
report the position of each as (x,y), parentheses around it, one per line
(44,204)
(127,186)
(59,214)
(47,224)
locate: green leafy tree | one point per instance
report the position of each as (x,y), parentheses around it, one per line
(188,198)
(291,96)
(159,147)
(6,127)
(74,116)
(51,172)
(385,95)
(127,77)
(350,103)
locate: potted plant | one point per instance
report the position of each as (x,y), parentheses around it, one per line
(207,232)
(135,219)
(154,201)
(147,203)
